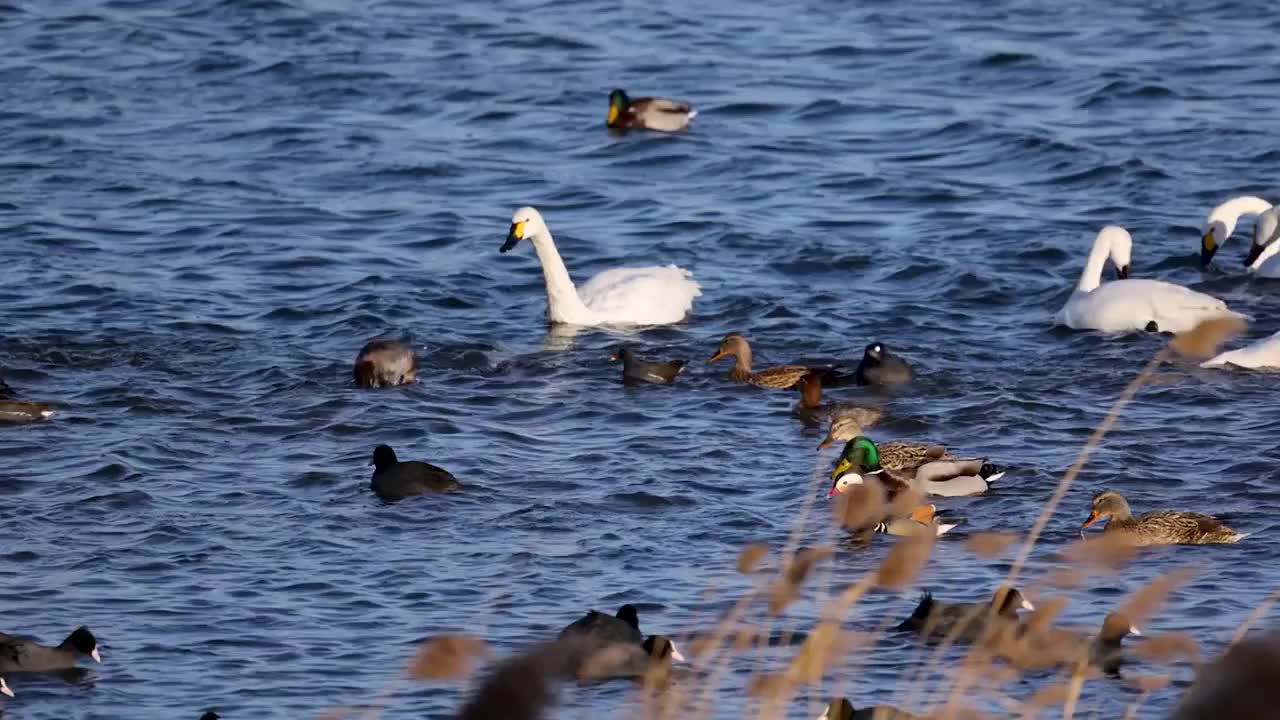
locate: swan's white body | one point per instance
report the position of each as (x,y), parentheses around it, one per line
(1222,221)
(1266,245)
(622,296)
(1263,354)
(1132,304)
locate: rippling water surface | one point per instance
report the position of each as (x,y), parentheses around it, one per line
(210,206)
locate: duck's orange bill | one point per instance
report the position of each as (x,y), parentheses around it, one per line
(715,357)
(826,443)
(1093,517)
(923,514)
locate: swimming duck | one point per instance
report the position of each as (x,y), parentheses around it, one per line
(395,480)
(782,377)
(384,363)
(648,113)
(966,622)
(1159,527)
(842,709)
(1129,303)
(1221,223)
(1036,649)
(920,520)
(637,369)
(849,427)
(4,688)
(14,410)
(880,367)
(950,477)
(620,296)
(25,655)
(812,411)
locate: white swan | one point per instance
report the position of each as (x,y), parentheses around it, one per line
(1264,255)
(1132,304)
(621,296)
(1263,354)
(1222,220)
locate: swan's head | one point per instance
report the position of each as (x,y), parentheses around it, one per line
(1120,248)
(1266,239)
(1222,222)
(526,223)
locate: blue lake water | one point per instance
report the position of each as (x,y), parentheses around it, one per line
(209,207)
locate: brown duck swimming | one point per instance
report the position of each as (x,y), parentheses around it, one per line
(1159,527)
(647,113)
(783,377)
(1036,649)
(384,363)
(14,410)
(811,409)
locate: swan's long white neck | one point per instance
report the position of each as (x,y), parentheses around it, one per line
(563,303)
(1091,278)
(1229,212)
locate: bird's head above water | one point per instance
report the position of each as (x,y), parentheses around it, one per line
(1222,220)
(659,647)
(383,456)
(860,455)
(526,224)
(83,642)
(733,345)
(618,102)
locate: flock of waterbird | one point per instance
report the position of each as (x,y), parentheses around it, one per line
(661,295)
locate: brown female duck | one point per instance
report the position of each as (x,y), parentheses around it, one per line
(647,113)
(384,363)
(783,377)
(1041,648)
(14,410)
(811,410)
(1159,527)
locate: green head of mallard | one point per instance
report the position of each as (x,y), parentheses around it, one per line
(860,456)
(618,103)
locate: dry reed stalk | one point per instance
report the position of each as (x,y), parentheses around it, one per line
(1254,617)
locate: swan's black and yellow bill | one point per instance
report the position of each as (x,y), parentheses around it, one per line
(1254,251)
(1208,246)
(514,235)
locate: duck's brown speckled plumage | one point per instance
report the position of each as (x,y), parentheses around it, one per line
(1159,527)
(783,377)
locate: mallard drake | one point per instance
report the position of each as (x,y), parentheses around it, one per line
(652,295)
(1159,527)
(648,113)
(881,367)
(637,369)
(384,363)
(395,480)
(14,410)
(25,655)
(812,411)
(966,622)
(842,709)
(926,471)
(783,377)
(1036,648)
